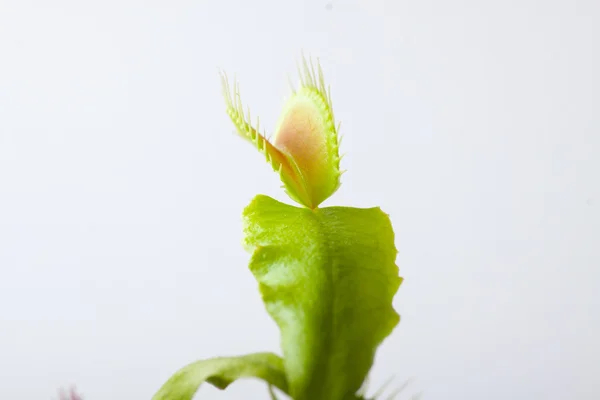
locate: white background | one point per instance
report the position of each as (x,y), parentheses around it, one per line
(474,124)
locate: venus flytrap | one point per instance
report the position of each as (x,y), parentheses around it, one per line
(327,276)
(305,146)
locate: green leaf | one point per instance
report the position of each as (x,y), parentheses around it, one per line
(221,372)
(327,277)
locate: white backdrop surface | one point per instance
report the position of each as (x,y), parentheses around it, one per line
(474,124)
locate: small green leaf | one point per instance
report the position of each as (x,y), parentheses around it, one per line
(327,278)
(221,372)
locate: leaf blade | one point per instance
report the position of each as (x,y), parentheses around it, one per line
(327,278)
(221,372)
